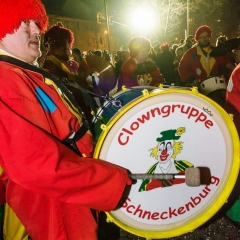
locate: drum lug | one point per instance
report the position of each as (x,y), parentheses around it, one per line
(231,116)
(194,89)
(145,92)
(109,218)
(104,127)
(124,88)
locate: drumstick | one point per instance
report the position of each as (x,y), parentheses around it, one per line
(192,176)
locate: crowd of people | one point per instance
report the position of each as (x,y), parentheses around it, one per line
(59,194)
(174,68)
(191,62)
(177,69)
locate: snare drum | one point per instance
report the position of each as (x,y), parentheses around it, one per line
(215,88)
(194,131)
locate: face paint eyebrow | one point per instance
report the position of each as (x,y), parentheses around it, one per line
(161,146)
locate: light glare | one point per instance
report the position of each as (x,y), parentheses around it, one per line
(143,19)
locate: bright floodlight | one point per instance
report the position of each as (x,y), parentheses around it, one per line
(143,19)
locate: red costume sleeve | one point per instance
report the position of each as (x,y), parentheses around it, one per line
(50,188)
(233,93)
(233,97)
(157,78)
(185,68)
(35,160)
(127,74)
(2,192)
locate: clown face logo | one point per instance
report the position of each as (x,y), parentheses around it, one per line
(165,153)
(144,79)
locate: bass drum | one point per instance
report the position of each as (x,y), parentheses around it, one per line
(114,105)
(168,131)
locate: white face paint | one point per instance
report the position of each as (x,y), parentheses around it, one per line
(165,151)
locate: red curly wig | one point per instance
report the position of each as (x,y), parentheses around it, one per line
(58,34)
(12,13)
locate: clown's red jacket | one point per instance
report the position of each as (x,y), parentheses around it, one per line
(191,69)
(50,187)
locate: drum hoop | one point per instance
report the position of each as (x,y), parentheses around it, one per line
(225,192)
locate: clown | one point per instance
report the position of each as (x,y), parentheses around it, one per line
(165,153)
(139,69)
(197,64)
(49,182)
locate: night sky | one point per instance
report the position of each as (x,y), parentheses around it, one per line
(84,9)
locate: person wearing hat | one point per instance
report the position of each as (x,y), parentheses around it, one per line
(60,63)
(77,55)
(48,176)
(165,153)
(232,106)
(196,65)
(139,69)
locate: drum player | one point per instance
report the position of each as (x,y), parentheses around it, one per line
(233,93)
(60,63)
(197,65)
(139,70)
(52,188)
(232,106)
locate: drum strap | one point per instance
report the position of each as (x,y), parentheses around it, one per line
(59,82)
(104,98)
(71,141)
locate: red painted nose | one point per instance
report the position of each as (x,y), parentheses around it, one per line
(164,152)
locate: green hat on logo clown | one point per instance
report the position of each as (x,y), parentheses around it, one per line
(172,134)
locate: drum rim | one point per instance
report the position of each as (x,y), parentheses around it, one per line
(222,197)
